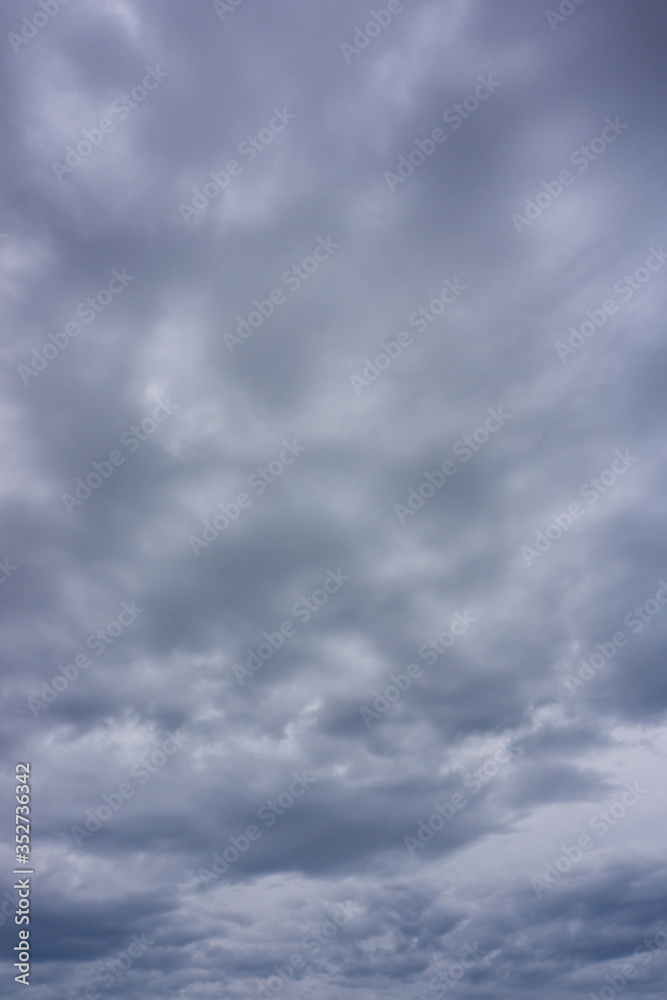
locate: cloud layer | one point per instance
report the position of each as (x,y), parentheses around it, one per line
(334,581)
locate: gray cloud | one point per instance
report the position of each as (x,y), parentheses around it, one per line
(286,308)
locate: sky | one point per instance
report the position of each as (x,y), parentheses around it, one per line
(334,569)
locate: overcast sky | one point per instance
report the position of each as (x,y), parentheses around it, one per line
(333,445)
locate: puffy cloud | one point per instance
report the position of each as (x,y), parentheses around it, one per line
(212,395)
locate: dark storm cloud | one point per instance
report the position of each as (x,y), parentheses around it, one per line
(372,292)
